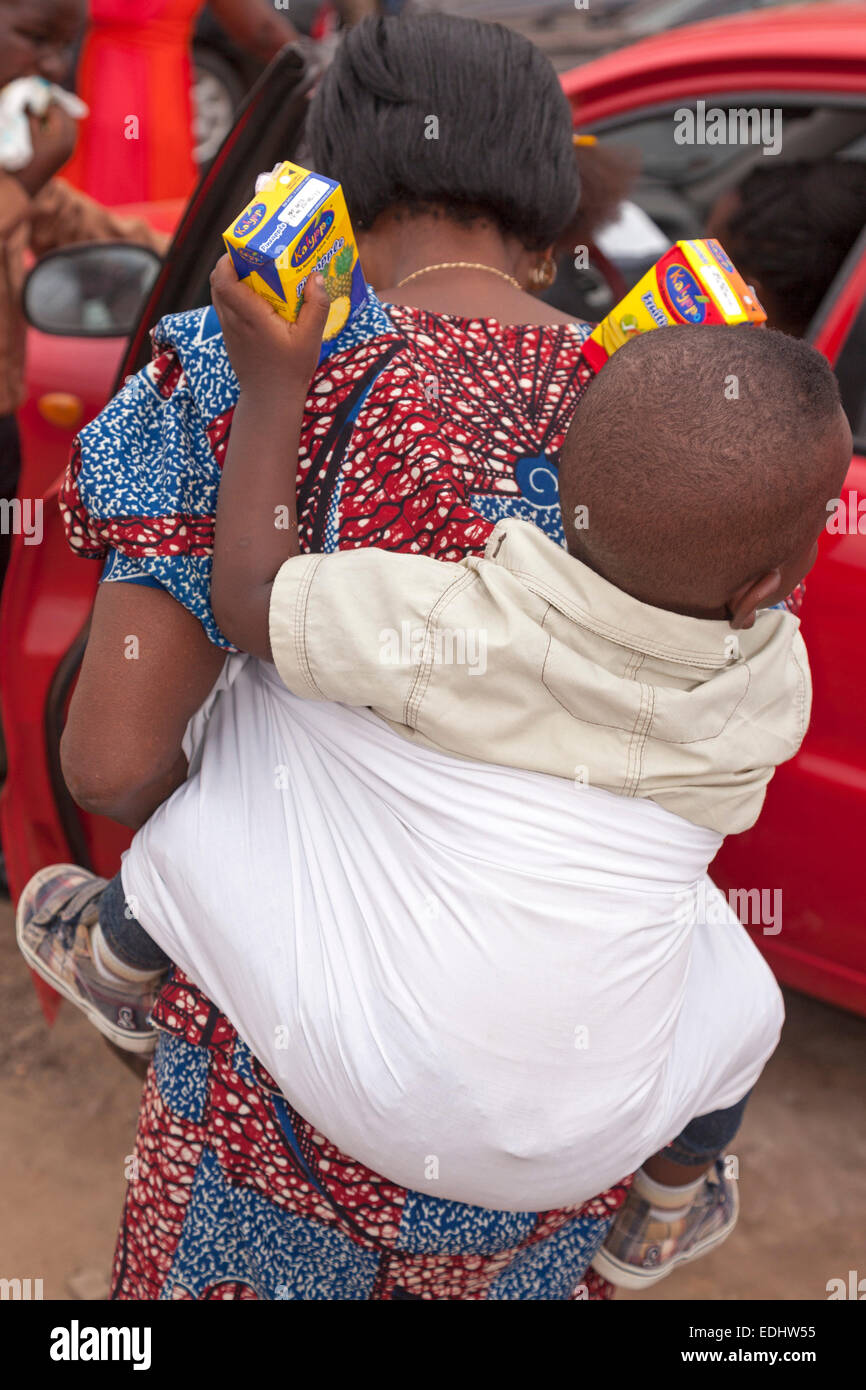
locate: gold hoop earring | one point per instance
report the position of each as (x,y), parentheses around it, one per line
(541,277)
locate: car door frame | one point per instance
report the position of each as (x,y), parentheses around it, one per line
(822,765)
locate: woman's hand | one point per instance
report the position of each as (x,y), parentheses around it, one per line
(270,356)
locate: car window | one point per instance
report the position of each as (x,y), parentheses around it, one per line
(661,157)
(680,177)
(665,153)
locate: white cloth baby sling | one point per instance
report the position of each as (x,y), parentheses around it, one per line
(486,984)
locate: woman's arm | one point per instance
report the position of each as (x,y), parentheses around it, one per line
(254,25)
(256,520)
(149,664)
(148,667)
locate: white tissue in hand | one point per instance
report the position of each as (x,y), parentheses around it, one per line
(29,95)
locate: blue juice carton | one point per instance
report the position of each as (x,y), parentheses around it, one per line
(296,224)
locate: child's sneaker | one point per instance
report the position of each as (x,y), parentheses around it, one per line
(646,1242)
(54,924)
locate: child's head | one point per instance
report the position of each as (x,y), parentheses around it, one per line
(696,472)
(36,37)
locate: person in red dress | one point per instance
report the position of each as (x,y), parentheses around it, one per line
(135,74)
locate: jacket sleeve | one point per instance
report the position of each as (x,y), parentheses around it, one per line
(359,626)
(60,215)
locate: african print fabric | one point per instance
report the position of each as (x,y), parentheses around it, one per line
(235,1196)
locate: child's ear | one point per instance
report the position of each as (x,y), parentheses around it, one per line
(743,605)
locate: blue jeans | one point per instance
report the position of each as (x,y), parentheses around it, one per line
(702,1140)
(705,1138)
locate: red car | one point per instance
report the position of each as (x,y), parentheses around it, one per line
(809,62)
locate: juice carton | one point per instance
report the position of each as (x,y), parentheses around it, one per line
(693,282)
(297,224)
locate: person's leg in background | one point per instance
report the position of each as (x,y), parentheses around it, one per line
(682,1204)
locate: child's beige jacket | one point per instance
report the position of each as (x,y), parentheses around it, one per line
(527,658)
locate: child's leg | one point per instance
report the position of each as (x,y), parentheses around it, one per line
(113,979)
(120,940)
(693,1152)
(681,1204)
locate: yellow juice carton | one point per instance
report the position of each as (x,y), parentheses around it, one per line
(693,282)
(295,225)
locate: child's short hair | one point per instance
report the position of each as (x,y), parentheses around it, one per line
(703,457)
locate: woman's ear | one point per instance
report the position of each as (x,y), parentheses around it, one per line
(743,605)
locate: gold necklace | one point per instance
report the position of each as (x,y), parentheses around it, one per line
(461,265)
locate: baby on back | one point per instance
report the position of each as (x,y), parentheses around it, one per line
(473,859)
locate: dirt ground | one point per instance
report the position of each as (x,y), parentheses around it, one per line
(67,1122)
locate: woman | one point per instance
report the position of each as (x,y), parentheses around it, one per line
(456,206)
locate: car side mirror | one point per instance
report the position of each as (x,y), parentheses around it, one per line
(92,290)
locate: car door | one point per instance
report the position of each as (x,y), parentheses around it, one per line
(679,179)
(809,839)
(49,592)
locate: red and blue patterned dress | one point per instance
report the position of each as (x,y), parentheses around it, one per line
(421,432)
